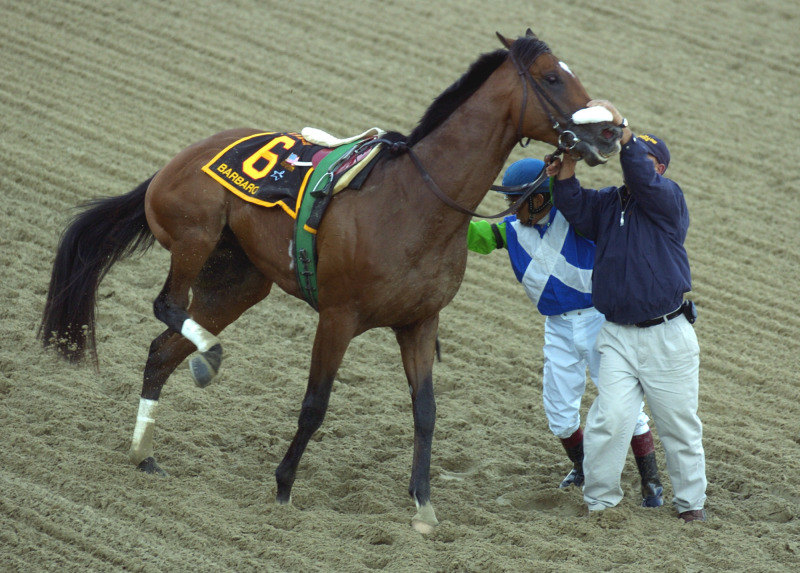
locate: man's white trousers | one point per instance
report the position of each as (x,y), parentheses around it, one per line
(660,363)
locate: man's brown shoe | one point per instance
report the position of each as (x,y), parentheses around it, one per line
(693,515)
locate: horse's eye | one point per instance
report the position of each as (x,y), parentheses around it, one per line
(551,79)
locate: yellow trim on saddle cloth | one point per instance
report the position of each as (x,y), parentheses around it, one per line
(229,183)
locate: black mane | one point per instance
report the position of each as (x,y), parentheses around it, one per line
(451,98)
(526,49)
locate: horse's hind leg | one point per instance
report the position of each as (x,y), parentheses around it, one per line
(171,308)
(417,347)
(167,351)
(222,293)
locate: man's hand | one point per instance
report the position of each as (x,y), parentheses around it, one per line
(560,168)
(616,117)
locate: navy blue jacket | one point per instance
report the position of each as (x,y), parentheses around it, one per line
(641,269)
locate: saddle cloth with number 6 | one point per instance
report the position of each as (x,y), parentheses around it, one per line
(273,169)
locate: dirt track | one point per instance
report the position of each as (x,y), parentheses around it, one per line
(96,99)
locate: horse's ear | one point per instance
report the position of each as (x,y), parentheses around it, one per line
(504,40)
(529,33)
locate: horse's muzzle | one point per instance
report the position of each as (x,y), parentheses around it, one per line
(594,143)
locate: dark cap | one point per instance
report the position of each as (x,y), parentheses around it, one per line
(523,172)
(656,147)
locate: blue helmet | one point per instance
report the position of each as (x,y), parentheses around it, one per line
(523,172)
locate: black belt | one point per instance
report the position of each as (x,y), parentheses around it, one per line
(660,319)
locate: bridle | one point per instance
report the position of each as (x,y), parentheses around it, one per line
(567,140)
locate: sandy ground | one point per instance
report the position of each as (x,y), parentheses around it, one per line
(95,97)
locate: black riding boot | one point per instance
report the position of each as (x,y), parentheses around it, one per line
(574,477)
(651,484)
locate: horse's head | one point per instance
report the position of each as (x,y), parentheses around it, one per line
(553,104)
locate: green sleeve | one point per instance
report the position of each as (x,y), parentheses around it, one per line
(484,237)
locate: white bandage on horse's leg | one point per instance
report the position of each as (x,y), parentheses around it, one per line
(201,338)
(142,443)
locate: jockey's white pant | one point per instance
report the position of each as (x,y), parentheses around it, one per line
(569,349)
(662,364)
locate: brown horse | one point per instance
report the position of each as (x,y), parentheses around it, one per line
(391,254)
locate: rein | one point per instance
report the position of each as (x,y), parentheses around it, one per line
(528,189)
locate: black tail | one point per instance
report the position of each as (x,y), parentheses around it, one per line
(107,230)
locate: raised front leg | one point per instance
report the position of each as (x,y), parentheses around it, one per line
(334,333)
(418,346)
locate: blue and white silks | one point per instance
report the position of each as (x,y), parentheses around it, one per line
(555,266)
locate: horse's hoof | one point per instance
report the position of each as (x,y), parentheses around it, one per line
(422,527)
(149,466)
(201,371)
(284,495)
(204,367)
(425,520)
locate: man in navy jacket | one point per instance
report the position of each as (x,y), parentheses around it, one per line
(648,346)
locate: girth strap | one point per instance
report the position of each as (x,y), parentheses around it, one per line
(317,195)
